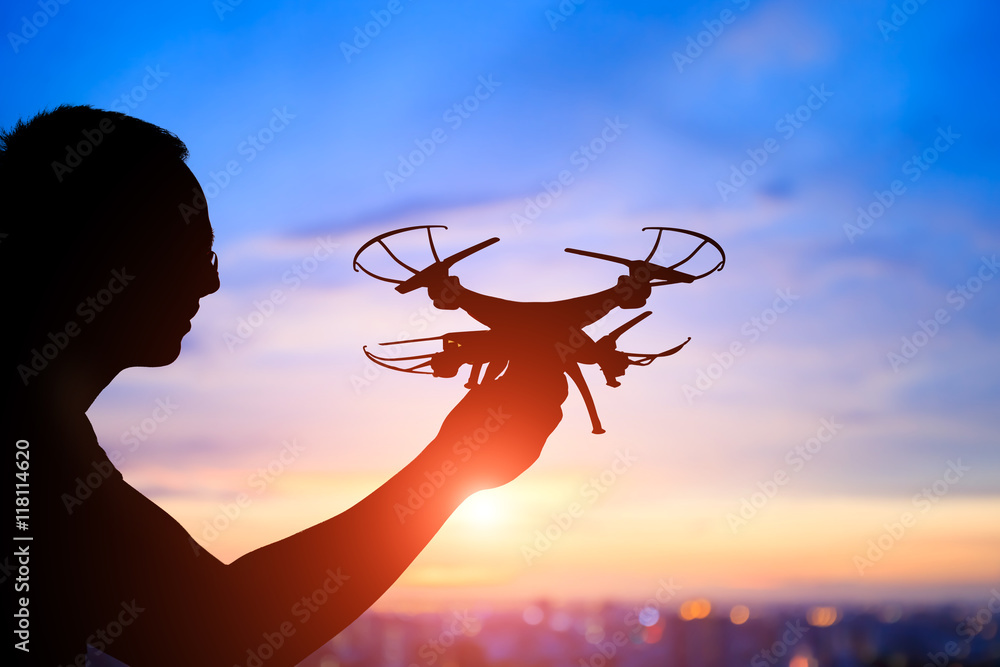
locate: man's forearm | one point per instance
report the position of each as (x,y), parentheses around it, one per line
(311,585)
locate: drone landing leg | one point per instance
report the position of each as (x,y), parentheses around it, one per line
(474,376)
(494,368)
(573,370)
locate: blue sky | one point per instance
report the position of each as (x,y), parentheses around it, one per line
(889,93)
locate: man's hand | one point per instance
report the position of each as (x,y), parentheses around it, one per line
(497,431)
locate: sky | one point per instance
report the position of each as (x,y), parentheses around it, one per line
(829,433)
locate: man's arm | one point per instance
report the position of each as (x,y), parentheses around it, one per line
(313,584)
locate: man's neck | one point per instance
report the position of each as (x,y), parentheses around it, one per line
(71,387)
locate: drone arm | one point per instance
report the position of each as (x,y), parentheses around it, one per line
(673,276)
(598,255)
(612,337)
(439,270)
(449,261)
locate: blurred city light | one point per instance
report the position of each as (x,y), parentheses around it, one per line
(739,614)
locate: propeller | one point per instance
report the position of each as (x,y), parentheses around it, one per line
(384,362)
(421,277)
(647,359)
(655,273)
(380,239)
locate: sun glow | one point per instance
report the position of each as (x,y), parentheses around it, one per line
(481,509)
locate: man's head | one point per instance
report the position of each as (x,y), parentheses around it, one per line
(106,229)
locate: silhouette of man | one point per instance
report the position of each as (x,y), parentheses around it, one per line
(107,250)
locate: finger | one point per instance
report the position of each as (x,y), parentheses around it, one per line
(545,384)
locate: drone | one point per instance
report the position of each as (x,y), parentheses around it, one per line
(544,333)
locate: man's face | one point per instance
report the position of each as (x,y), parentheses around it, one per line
(163,288)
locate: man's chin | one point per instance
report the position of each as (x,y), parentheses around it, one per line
(163,355)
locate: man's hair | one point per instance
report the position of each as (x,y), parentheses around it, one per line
(64,164)
(74,183)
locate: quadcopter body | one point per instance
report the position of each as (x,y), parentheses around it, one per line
(543,333)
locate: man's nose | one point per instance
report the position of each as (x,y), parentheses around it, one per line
(212,282)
